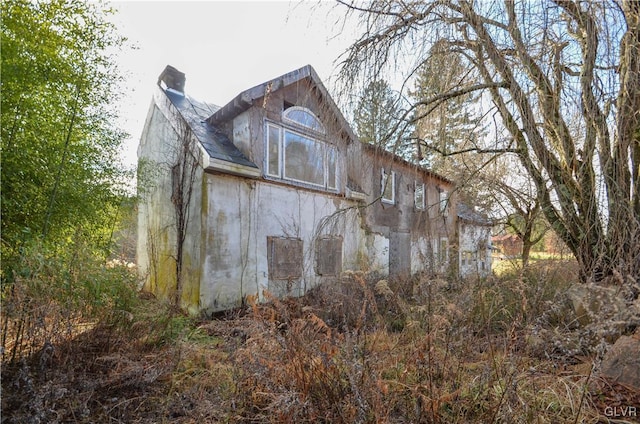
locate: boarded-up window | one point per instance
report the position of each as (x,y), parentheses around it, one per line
(329,256)
(284,256)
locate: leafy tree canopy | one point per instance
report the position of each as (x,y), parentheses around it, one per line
(378,120)
(60,148)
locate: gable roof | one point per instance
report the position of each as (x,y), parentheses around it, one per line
(244,100)
(468,214)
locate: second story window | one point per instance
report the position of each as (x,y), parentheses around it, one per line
(419,196)
(303,117)
(388,186)
(299,154)
(444,202)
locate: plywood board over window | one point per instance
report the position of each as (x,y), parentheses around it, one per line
(329,256)
(284,256)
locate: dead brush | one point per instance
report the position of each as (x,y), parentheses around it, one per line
(460,356)
(346,303)
(289,372)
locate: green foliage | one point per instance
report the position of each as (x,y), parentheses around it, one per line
(451,131)
(62,182)
(378,119)
(60,168)
(453,125)
(53,291)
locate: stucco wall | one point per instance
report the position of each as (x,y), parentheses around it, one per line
(475,249)
(157,236)
(238,217)
(235,219)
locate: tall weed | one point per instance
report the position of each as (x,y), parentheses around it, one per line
(420,350)
(49,294)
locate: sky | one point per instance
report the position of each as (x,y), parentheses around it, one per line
(223,48)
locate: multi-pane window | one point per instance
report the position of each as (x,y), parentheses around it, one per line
(419,196)
(444,200)
(300,156)
(388,186)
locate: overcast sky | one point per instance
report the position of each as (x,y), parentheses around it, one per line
(222,47)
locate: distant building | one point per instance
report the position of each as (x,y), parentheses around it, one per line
(508,245)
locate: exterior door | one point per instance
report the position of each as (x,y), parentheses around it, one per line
(399,254)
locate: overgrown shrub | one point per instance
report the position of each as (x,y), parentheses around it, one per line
(420,350)
(49,294)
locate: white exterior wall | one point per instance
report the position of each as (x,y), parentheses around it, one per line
(238,216)
(421,255)
(157,239)
(232,217)
(474,249)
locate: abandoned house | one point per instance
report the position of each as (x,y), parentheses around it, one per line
(273,192)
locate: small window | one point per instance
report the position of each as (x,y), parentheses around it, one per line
(388,187)
(444,200)
(273,150)
(284,257)
(419,196)
(304,117)
(329,256)
(443,251)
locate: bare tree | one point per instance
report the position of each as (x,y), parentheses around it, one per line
(540,64)
(522,212)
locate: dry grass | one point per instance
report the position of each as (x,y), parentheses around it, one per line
(358,350)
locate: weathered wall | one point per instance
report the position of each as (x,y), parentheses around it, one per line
(252,236)
(157,237)
(415,234)
(240,215)
(474,249)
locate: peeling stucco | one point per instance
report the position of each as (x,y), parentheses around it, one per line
(237,208)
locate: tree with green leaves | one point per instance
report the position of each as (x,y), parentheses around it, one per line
(61,173)
(449,133)
(378,119)
(541,65)
(451,126)
(62,182)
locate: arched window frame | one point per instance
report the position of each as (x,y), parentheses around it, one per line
(276,136)
(285,118)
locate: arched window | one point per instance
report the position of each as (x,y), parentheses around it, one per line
(296,150)
(303,117)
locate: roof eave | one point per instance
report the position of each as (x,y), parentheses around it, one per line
(218,165)
(244,100)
